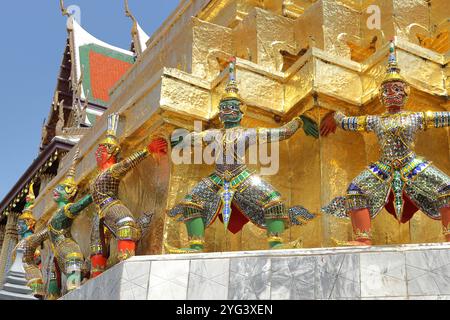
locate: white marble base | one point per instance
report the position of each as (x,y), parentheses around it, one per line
(358,273)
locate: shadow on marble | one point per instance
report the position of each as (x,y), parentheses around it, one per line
(208,279)
(383,274)
(428,272)
(168,280)
(338,276)
(249,279)
(293,278)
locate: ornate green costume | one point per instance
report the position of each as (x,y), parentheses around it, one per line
(233,193)
(66,251)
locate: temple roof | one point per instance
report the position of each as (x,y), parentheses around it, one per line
(89,69)
(102,64)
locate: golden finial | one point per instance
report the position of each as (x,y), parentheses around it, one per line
(231,90)
(71,172)
(69,182)
(393,71)
(31,197)
(128,12)
(27,211)
(63,9)
(134,31)
(111,141)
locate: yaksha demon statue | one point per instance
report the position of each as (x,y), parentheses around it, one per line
(233,193)
(401,181)
(25,229)
(112,213)
(66,251)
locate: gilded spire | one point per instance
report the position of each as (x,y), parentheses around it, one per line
(393,71)
(27,211)
(69,182)
(30,197)
(113,124)
(231,90)
(111,134)
(63,9)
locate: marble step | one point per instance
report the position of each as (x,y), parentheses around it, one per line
(15,274)
(16,288)
(4,295)
(17,280)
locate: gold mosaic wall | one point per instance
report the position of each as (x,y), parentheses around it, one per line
(294,56)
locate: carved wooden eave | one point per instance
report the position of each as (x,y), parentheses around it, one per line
(46,162)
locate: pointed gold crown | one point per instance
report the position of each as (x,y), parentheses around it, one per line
(392,71)
(69,183)
(111,141)
(27,212)
(231,90)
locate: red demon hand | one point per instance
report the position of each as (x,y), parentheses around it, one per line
(328,125)
(158,147)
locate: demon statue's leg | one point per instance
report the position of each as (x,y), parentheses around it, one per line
(361,223)
(275,227)
(72,261)
(445,214)
(122,224)
(53,286)
(196,232)
(98,255)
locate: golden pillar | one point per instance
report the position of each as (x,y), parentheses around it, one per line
(9,242)
(2,235)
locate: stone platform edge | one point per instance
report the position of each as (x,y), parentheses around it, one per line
(412,271)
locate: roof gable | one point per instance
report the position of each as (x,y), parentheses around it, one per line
(102,68)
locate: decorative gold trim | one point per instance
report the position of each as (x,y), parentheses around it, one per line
(74,256)
(58,232)
(101,211)
(67,212)
(274,239)
(124,255)
(172,250)
(198,242)
(446,230)
(363,235)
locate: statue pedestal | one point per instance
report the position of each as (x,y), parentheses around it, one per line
(15,287)
(379,272)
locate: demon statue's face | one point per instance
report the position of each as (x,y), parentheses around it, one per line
(24,226)
(64,192)
(106,152)
(394,94)
(230,112)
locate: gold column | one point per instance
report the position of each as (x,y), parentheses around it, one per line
(9,242)
(2,234)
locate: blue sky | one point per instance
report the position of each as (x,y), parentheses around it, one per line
(32,36)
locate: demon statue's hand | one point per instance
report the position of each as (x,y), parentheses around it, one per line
(328,125)
(158,147)
(310,127)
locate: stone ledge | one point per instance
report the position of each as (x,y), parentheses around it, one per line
(384,272)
